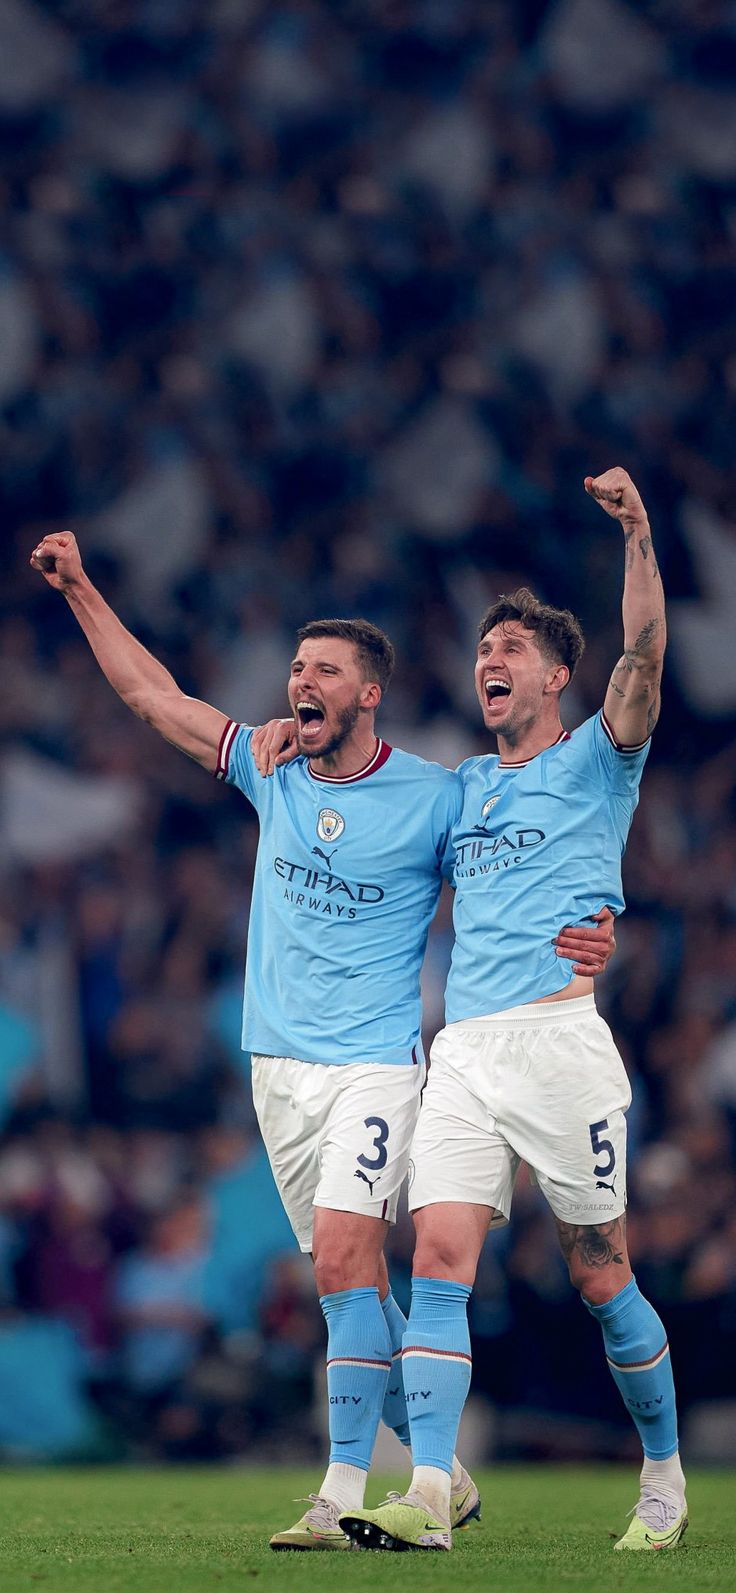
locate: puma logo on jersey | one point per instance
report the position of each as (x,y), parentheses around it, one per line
(325,856)
(612,1186)
(366,1180)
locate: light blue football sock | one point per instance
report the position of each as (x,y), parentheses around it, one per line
(358,1365)
(436,1364)
(394,1412)
(639,1357)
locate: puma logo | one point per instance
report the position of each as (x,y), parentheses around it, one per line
(612,1186)
(366,1180)
(325,856)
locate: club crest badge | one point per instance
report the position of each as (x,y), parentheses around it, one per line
(330,825)
(488,806)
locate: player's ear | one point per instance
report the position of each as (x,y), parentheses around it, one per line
(370,694)
(557,678)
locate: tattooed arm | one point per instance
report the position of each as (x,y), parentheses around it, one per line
(633,696)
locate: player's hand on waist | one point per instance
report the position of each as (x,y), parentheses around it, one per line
(274,744)
(589,950)
(58,558)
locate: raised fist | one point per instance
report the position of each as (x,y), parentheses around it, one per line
(57,557)
(616,493)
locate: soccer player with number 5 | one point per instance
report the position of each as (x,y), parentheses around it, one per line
(525,1068)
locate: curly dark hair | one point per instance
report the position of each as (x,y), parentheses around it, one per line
(375,652)
(558,633)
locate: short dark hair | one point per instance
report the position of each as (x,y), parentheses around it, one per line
(558,633)
(375,652)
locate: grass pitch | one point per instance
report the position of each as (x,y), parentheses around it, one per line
(140,1531)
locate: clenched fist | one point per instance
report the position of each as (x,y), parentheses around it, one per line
(616,493)
(57,557)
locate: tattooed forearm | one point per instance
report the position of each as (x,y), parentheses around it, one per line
(595,1245)
(645,637)
(635,656)
(632,698)
(645,548)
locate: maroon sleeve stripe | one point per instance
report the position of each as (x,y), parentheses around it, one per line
(223,752)
(618,744)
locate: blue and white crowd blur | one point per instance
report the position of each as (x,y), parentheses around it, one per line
(305,311)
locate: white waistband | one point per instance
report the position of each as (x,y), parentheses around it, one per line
(532,1015)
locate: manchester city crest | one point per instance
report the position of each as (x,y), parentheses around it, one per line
(330,825)
(487,806)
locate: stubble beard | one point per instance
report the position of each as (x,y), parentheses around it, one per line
(518,722)
(347,719)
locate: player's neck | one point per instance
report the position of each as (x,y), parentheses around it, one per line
(531,741)
(351,757)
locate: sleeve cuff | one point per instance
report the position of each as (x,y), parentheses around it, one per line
(223,752)
(636,747)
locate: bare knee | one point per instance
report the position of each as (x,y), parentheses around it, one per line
(597,1258)
(449,1241)
(597,1289)
(346,1251)
(435,1258)
(337,1271)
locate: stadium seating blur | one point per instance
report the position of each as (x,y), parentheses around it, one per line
(312,310)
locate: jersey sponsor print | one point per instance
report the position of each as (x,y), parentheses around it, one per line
(538,845)
(347,877)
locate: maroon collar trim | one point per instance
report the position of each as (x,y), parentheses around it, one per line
(521,764)
(381,755)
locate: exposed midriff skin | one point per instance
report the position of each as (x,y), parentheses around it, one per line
(579,986)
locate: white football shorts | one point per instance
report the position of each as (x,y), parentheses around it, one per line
(543,1084)
(336,1136)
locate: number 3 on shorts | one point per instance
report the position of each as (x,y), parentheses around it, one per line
(601,1147)
(375,1163)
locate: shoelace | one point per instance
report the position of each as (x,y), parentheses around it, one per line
(414,1501)
(654,1511)
(402,1498)
(322,1513)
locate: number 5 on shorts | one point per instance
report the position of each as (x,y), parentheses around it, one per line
(602,1147)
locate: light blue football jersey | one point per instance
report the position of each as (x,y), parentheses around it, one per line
(346,883)
(538,845)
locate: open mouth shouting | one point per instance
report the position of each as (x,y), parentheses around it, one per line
(497,690)
(310,718)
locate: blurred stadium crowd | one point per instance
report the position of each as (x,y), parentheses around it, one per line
(310,309)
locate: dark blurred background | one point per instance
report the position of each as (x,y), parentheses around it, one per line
(311,309)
